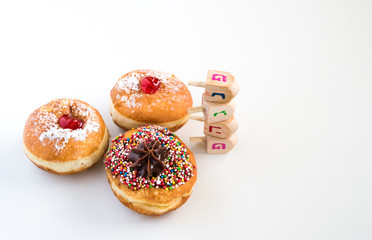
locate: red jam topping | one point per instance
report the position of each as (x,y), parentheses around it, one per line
(67,121)
(150,85)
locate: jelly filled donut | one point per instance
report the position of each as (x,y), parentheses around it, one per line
(150,170)
(145,97)
(65,136)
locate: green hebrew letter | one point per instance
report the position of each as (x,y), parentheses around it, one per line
(224,112)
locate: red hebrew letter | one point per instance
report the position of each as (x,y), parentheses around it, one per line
(211,129)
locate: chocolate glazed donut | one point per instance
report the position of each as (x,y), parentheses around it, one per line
(150,170)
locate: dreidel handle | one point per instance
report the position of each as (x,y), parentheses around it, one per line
(197,84)
(195,109)
(197,118)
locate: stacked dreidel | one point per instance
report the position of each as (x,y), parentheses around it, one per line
(218,107)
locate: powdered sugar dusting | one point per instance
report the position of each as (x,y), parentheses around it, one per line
(131,85)
(163,76)
(51,129)
(131,101)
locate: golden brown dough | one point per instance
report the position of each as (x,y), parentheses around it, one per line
(131,107)
(62,150)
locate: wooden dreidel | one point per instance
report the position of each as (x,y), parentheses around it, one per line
(220,86)
(223,129)
(217,145)
(213,112)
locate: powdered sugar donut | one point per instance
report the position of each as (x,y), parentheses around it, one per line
(145,97)
(65,136)
(150,170)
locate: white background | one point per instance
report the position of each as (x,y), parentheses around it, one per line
(302,168)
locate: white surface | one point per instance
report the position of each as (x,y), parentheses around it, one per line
(302,168)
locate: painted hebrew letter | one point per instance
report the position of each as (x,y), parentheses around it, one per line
(218,146)
(224,112)
(211,129)
(220,94)
(219,77)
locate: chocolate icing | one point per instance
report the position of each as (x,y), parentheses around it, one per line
(148,158)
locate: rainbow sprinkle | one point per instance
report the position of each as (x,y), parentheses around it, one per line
(178,169)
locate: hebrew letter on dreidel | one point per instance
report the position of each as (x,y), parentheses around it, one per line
(218,94)
(222,129)
(212,127)
(224,112)
(219,77)
(216,112)
(218,84)
(218,146)
(213,112)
